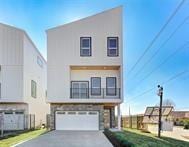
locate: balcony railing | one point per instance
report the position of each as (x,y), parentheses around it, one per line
(95,93)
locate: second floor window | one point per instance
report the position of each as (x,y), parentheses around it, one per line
(111,86)
(39,62)
(85,46)
(112,46)
(95,86)
(33,89)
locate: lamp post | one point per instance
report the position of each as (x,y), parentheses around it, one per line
(160,94)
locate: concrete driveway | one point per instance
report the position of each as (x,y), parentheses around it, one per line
(69,139)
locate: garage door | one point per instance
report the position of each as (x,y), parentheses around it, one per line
(77,120)
(13,121)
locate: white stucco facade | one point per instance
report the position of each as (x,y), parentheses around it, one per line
(67,66)
(19,65)
(63,45)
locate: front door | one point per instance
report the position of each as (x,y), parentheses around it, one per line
(80,89)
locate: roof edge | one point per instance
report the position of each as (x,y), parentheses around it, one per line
(25,33)
(105,11)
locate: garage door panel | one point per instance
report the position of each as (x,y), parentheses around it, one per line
(77,121)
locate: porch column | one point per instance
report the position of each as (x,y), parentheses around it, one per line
(118,117)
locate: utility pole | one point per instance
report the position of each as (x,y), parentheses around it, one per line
(129,111)
(160,94)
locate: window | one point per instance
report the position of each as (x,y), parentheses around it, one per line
(85,46)
(82,113)
(33,89)
(19,112)
(39,62)
(79,89)
(72,113)
(112,46)
(95,86)
(111,86)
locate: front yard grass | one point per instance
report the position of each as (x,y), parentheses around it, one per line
(8,142)
(141,139)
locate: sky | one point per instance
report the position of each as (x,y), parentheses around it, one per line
(142,20)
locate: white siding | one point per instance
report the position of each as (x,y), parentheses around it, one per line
(11,61)
(63,45)
(32,71)
(18,61)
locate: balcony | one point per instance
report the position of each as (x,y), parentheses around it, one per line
(95,93)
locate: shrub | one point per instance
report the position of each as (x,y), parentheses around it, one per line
(186,125)
(116,139)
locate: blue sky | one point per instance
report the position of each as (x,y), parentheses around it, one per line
(142,20)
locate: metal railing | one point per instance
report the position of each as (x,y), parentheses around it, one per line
(95,93)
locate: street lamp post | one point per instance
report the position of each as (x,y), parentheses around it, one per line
(160,94)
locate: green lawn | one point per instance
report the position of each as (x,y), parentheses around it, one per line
(140,139)
(21,137)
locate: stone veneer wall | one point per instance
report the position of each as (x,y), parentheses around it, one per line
(77,107)
(14,106)
(112,115)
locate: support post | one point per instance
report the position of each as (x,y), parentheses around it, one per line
(118,117)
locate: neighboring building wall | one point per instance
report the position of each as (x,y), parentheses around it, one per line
(11,62)
(18,62)
(37,72)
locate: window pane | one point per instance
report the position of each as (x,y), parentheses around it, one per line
(85,46)
(113,43)
(111,86)
(95,86)
(33,89)
(112,51)
(111,82)
(111,91)
(85,52)
(112,46)
(95,82)
(85,43)
(39,62)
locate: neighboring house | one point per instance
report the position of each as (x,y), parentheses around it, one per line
(151,119)
(85,72)
(22,78)
(179,117)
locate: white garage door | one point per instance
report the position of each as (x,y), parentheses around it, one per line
(77,120)
(13,121)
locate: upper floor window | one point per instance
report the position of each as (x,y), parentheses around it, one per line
(33,89)
(39,62)
(95,86)
(112,46)
(111,86)
(85,46)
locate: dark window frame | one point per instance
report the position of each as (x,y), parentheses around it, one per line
(92,87)
(115,86)
(90,49)
(117,53)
